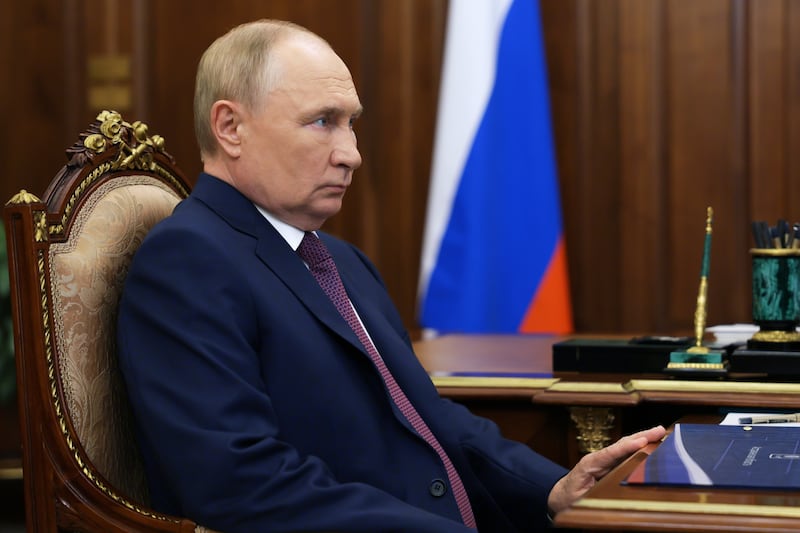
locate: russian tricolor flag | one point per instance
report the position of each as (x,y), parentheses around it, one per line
(493,257)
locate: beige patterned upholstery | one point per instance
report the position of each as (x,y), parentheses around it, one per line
(87,274)
(68,254)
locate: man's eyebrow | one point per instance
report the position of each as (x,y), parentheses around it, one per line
(334,110)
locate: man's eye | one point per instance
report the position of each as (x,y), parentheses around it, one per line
(321,122)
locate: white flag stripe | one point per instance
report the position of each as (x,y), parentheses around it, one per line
(468,73)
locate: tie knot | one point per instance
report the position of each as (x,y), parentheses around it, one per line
(312,250)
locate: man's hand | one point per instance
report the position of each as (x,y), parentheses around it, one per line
(595,465)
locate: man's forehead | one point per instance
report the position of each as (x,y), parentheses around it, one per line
(321,94)
(313,76)
(329,73)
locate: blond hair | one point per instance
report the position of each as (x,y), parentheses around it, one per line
(237,67)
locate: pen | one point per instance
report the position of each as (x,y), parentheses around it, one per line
(796,233)
(770,419)
(783,232)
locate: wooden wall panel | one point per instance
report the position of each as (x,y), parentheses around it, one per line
(700,121)
(767,95)
(703,112)
(32,136)
(791,104)
(599,185)
(579,41)
(642,203)
(775,66)
(403,87)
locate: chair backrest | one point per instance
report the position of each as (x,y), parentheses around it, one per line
(68,256)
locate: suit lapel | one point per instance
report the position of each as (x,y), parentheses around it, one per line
(273,251)
(278,256)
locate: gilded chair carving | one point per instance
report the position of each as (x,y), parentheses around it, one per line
(68,255)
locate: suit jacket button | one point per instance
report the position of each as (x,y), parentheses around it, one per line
(437,488)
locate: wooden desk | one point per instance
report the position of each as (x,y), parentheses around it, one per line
(562,415)
(496,394)
(612,506)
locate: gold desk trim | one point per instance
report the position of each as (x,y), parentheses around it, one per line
(493,382)
(634,385)
(690,507)
(592,386)
(739,387)
(12,472)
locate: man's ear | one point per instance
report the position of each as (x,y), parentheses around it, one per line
(226,118)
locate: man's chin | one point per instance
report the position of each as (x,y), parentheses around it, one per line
(329,208)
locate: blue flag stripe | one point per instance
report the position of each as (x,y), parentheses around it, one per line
(505,219)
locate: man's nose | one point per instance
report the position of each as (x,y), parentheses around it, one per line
(346,153)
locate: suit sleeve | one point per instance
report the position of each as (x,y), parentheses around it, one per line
(512,477)
(209,436)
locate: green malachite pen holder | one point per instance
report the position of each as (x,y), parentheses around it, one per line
(776,299)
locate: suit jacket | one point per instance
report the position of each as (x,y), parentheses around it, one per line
(257,409)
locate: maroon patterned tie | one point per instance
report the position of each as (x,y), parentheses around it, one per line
(321,265)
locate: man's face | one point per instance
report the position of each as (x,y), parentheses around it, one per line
(298,150)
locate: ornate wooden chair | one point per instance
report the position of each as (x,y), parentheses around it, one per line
(68,257)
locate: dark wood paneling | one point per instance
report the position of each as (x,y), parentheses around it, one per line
(767,97)
(32,136)
(405,83)
(642,201)
(700,119)
(791,108)
(662,108)
(599,176)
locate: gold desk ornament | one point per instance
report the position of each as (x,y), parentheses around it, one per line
(594,426)
(700,359)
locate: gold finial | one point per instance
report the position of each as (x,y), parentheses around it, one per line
(23,197)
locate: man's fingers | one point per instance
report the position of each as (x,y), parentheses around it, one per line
(601,462)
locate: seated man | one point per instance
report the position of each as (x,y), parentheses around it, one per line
(273,384)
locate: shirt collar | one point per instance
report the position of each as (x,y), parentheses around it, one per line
(290,234)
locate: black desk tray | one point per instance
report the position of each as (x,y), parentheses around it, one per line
(771,363)
(640,355)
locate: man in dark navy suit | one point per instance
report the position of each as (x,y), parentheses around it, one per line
(270,393)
